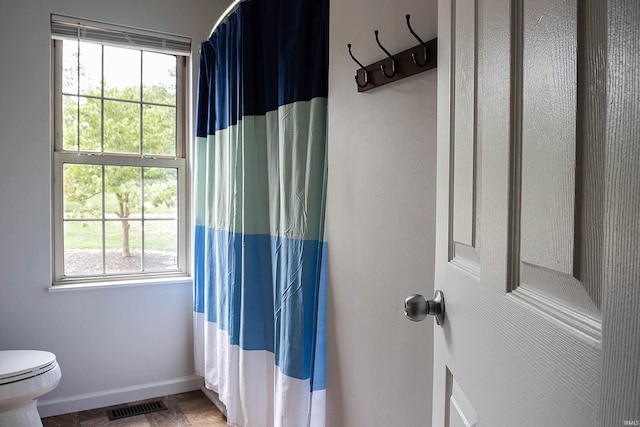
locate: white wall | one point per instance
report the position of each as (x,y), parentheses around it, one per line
(381,218)
(105,340)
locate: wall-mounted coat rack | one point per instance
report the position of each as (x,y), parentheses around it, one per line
(396,67)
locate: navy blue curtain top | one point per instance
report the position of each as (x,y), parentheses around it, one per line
(266,54)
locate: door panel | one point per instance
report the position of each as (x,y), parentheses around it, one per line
(549,92)
(521,339)
(463,124)
(461,412)
(549,209)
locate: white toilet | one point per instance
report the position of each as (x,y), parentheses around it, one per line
(25,375)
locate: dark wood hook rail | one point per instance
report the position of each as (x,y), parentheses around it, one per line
(417,59)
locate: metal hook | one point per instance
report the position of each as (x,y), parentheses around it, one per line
(366,72)
(427,52)
(394,63)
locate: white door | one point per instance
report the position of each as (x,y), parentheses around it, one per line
(527,182)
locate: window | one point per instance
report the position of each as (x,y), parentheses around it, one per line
(119,172)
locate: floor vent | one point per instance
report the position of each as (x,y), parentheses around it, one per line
(133,410)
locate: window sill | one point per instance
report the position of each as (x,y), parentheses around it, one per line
(121,284)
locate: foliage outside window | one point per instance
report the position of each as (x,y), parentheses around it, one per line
(119,167)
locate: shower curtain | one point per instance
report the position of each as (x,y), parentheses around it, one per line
(260,176)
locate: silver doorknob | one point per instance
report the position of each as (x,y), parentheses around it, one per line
(417,307)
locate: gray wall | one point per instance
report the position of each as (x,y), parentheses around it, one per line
(381,220)
(116,342)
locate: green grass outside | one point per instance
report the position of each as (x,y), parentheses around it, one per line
(160,235)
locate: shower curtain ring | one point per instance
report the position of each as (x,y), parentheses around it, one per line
(394,62)
(366,72)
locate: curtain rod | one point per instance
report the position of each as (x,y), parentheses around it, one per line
(232,7)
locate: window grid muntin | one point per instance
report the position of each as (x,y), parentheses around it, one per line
(141,125)
(142,208)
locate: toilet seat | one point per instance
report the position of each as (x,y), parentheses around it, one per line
(18,365)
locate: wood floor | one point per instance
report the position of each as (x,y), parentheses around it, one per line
(186,409)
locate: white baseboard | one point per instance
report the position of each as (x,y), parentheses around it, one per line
(215,399)
(117,396)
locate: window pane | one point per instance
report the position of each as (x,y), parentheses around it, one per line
(69,122)
(121,127)
(161,245)
(159,130)
(159,78)
(160,193)
(90,124)
(90,69)
(82,248)
(69,67)
(121,73)
(123,241)
(82,193)
(122,191)
(117,220)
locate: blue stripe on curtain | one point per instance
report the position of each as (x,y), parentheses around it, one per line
(247,313)
(319,369)
(290,66)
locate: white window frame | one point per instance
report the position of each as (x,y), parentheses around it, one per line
(74,29)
